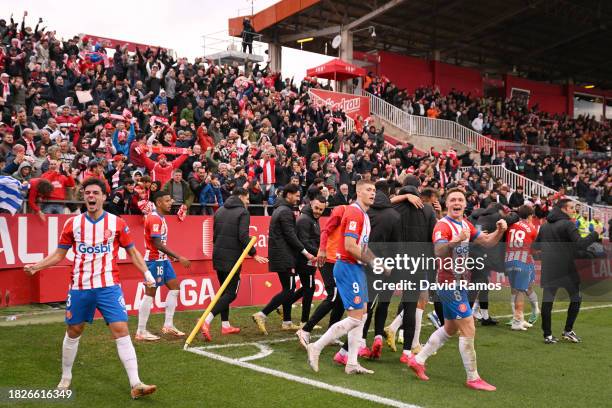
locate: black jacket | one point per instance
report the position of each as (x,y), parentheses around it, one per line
(283,244)
(486,219)
(417,225)
(230,234)
(309,234)
(559,241)
(385,221)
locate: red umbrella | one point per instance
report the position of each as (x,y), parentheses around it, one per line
(337,70)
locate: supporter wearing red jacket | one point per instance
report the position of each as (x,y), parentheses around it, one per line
(162,169)
(204,139)
(59,182)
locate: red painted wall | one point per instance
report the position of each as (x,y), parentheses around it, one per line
(549,97)
(404,71)
(411,73)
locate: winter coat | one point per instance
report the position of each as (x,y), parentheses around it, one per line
(230,234)
(308,232)
(283,244)
(559,241)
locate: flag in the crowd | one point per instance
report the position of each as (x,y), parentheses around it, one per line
(11,198)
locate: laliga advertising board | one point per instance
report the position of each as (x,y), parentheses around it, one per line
(26,239)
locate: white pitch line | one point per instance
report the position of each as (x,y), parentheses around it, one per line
(264,352)
(306,381)
(286,339)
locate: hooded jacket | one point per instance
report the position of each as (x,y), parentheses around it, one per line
(416,226)
(559,241)
(385,221)
(309,234)
(19,175)
(230,234)
(283,244)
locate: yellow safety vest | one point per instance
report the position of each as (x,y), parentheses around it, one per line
(583,226)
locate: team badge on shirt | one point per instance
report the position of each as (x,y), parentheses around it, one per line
(107,234)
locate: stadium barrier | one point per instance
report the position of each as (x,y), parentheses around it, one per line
(26,239)
(531,187)
(423,126)
(512,147)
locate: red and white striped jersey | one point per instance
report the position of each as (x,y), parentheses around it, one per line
(519,239)
(155,227)
(446,230)
(95,244)
(268,175)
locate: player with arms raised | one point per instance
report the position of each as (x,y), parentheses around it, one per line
(350,280)
(520,267)
(451,237)
(95,238)
(156,257)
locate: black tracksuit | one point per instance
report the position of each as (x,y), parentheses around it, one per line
(230,238)
(309,234)
(559,241)
(283,248)
(417,227)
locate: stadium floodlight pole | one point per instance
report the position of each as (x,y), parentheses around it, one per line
(219,292)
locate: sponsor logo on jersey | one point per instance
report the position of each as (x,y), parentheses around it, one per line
(94,249)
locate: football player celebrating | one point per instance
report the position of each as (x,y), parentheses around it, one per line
(451,237)
(350,280)
(521,266)
(95,238)
(156,257)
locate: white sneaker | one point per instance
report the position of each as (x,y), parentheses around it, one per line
(64,384)
(146,336)
(527,325)
(303,337)
(477,314)
(313,357)
(518,325)
(356,369)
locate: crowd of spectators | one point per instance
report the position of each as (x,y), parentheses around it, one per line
(146,121)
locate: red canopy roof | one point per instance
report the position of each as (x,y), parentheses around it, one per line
(337,70)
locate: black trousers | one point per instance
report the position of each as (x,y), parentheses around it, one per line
(248,45)
(332,303)
(230,294)
(287,281)
(548,297)
(306,291)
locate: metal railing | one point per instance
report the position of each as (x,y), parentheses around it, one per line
(221,41)
(549,150)
(423,126)
(531,187)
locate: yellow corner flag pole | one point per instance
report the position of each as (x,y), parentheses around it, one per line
(219,292)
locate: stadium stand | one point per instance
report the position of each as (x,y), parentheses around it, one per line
(142,120)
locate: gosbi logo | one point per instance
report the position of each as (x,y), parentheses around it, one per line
(94,249)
